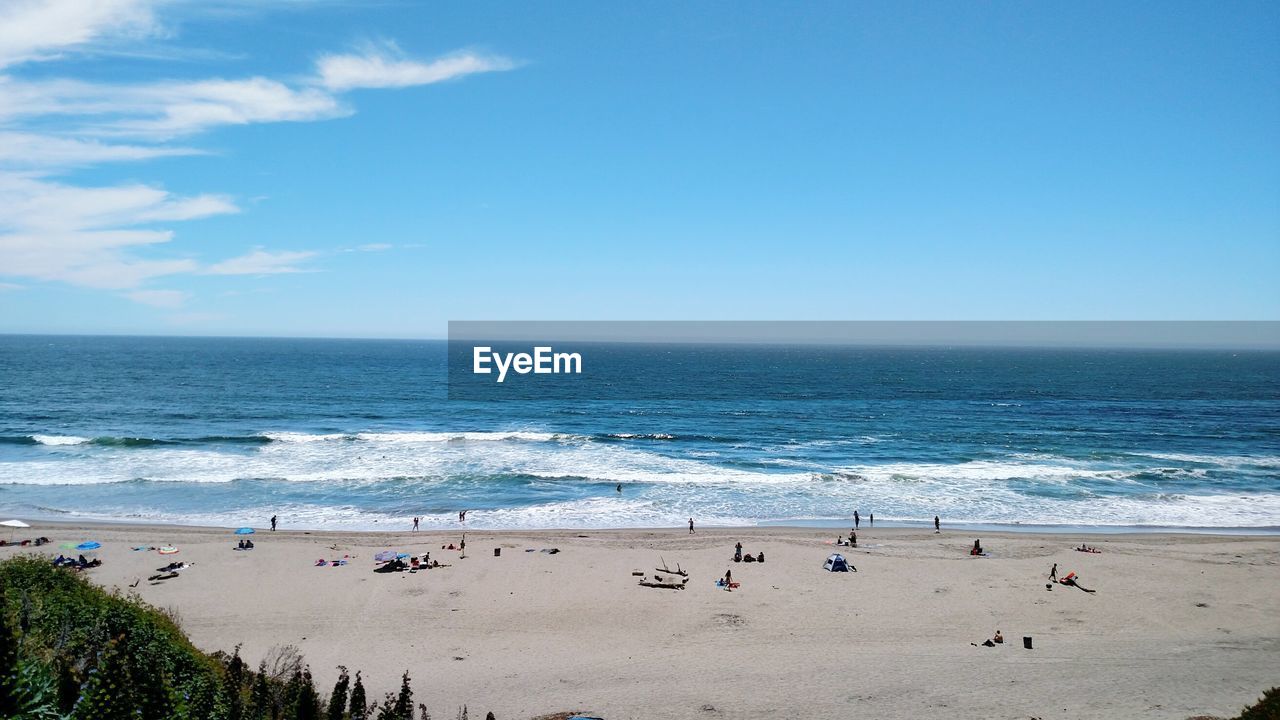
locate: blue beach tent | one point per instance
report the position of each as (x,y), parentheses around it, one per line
(836,563)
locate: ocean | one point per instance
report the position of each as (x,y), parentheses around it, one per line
(362,434)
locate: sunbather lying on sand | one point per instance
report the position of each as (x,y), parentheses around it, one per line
(1070,579)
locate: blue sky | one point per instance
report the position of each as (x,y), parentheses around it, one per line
(374,169)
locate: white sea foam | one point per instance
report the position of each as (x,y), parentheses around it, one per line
(1265,461)
(392,468)
(60,439)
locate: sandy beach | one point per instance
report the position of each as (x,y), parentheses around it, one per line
(1180,625)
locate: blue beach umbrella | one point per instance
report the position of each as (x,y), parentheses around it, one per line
(244,531)
(90,545)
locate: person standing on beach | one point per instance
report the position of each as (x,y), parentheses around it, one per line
(415,523)
(690,526)
(857,521)
(853,538)
(871,519)
(937,524)
(1053,573)
(273,523)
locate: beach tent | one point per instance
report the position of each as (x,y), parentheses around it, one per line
(836,563)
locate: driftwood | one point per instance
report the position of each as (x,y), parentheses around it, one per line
(677,571)
(665,585)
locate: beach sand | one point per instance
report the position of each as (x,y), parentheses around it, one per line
(1181,625)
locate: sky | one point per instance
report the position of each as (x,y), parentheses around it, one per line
(376,169)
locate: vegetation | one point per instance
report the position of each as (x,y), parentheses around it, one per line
(1267,707)
(72,651)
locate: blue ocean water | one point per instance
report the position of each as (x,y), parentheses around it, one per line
(361,434)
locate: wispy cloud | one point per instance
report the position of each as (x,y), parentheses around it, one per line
(166,109)
(33,30)
(24,150)
(91,236)
(385,66)
(115,237)
(262,262)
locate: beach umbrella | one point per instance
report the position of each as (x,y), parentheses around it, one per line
(244,531)
(90,545)
(13,525)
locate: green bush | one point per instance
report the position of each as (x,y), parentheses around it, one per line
(1267,707)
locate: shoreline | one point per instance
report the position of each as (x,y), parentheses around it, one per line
(1180,625)
(1013,529)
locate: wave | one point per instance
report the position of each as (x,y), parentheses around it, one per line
(60,439)
(130,442)
(1232,461)
(638,436)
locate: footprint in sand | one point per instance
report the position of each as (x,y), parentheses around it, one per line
(729,620)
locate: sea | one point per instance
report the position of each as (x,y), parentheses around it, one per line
(365,434)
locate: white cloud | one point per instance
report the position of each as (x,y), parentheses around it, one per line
(32,150)
(159,298)
(41,29)
(28,203)
(113,237)
(165,109)
(385,66)
(91,236)
(261,262)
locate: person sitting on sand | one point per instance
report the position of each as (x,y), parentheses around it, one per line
(760,557)
(998,639)
(1070,580)
(728,580)
(977,548)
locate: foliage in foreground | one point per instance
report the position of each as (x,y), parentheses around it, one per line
(70,650)
(1267,707)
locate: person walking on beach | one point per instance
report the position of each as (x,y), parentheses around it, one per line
(1053,573)
(415,523)
(690,526)
(857,521)
(937,524)
(273,523)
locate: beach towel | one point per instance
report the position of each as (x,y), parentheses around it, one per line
(167,550)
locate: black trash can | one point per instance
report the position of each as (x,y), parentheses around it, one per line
(497,552)
(1026,641)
